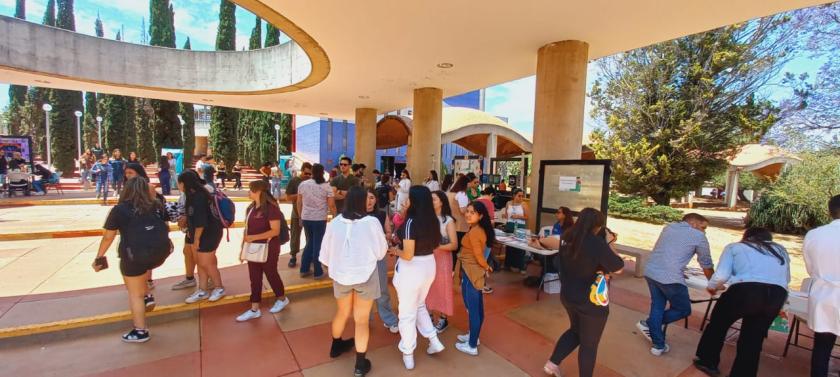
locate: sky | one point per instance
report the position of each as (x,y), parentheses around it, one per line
(198,19)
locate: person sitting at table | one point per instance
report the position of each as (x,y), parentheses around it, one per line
(757,271)
(17,162)
(516,213)
(39,185)
(565,220)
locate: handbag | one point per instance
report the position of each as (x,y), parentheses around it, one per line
(252,251)
(599,291)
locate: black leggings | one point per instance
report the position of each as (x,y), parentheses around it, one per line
(821,355)
(586,326)
(756,305)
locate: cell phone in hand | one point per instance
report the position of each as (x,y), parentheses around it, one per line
(101,263)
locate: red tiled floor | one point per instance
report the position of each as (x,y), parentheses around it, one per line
(311,345)
(254,348)
(182,365)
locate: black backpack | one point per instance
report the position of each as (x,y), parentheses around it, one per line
(145,240)
(382,197)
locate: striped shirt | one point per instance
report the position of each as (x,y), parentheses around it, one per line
(677,244)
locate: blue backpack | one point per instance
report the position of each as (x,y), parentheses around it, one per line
(224,210)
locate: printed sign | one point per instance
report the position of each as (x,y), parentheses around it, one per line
(569,184)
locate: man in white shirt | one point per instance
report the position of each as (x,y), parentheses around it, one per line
(822,259)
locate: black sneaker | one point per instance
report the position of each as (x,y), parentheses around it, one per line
(362,370)
(341,346)
(441,326)
(136,336)
(293,262)
(711,371)
(149,300)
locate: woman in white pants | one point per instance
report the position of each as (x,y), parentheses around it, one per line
(415,272)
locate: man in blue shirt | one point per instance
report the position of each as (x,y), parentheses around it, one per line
(677,245)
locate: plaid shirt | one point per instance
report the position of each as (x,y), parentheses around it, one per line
(677,244)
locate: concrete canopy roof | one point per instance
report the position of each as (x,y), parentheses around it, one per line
(764,160)
(466,127)
(374,53)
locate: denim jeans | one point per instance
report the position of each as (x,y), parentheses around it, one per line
(314,231)
(474,301)
(383,303)
(275,187)
(660,294)
(163,176)
(102,188)
(38,185)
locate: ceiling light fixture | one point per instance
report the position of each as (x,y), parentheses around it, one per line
(445,65)
(207,100)
(323,114)
(364,97)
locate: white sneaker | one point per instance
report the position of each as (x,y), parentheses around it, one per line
(217,294)
(644,330)
(392,329)
(197,296)
(465,348)
(184,284)
(465,338)
(408,361)
(248,315)
(659,351)
(279,305)
(435,346)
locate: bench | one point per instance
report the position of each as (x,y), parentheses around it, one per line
(641,256)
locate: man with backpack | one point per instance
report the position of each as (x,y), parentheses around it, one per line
(297,226)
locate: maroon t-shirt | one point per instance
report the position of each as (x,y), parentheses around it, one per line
(258,222)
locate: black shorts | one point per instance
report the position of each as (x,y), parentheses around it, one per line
(137,269)
(210,240)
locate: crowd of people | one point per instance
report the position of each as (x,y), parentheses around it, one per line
(442,237)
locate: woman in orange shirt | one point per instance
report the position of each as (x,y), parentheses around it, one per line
(471,270)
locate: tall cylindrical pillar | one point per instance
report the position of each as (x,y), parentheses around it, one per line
(425,144)
(559,107)
(365,143)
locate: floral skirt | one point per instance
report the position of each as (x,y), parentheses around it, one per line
(440,294)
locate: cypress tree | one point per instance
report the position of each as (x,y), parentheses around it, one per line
(65,103)
(143,114)
(90,128)
(130,129)
(17,93)
(36,97)
(113,124)
(223,120)
(166,128)
(187,112)
(100,30)
(49,14)
(248,148)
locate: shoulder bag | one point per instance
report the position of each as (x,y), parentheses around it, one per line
(252,251)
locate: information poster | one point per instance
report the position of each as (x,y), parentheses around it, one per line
(178,155)
(569,184)
(575,184)
(11,144)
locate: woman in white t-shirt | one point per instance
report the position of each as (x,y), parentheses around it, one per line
(402,188)
(314,202)
(458,202)
(432,181)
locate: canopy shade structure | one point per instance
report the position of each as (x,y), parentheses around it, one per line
(338,64)
(766,161)
(469,128)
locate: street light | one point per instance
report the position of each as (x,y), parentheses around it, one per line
(99,131)
(47,108)
(78,115)
(277,142)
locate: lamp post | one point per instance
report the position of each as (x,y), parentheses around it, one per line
(47,108)
(99,131)
(78,115)
(277,142)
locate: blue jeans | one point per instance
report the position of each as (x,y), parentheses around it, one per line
(474,301)
(102,188)
(38,185)
(677,295)
(314,231)
(163,175)
(383,303)
(275,187)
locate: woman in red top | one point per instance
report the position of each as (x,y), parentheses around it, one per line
(264,222)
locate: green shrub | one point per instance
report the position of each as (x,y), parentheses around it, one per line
(636,208)
(798,201)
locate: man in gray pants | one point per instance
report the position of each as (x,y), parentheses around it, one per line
(291,194)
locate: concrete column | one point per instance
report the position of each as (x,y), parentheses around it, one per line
(732,191)
(424,150)
(492,147)
(558,110)
(365,144)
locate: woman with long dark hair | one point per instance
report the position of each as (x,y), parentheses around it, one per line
(352,246)
(584,262)
(402,187)
(432,181)
(264,223)
(516,213)
(439,301)
(757,271)
(315,202)
(415,272)
(448,180)
(204,233)
(458,202)
(472,270)
(163,174)
(383,303)
(144,245)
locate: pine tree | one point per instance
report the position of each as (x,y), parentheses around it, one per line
(49,14)
(130,129)
(187,112)
(17,93)
(113,123)
(223,120)
(143,114)
(100,30)
(64,103)
(166,128)
(90,129)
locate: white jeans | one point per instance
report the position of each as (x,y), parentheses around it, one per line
(412,280)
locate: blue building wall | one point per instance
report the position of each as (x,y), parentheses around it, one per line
(469,99)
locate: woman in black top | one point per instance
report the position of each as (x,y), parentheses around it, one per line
(415,272)
(163,174)
(583,262)
(204,232)
(144,245)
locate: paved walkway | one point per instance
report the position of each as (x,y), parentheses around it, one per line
(517,337)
